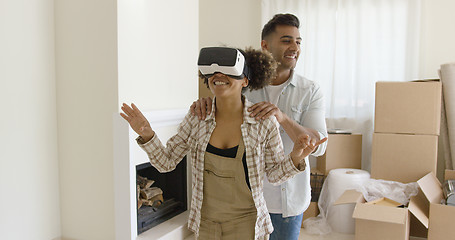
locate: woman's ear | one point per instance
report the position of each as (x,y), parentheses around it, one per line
(245,82)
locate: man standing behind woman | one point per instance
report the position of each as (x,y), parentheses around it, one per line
(230,153)
(298,105)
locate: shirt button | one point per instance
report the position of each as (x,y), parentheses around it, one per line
(283,189)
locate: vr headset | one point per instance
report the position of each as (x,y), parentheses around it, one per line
(229,61)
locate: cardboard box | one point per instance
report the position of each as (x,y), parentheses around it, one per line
(343,151)
(417,229)
(438,218)
(312,211)
(385,202)
(449,174)
(403,158)
(377,220)
(408,107)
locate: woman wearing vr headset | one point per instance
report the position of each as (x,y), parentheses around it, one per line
(230,151)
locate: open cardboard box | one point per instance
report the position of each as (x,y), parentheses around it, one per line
(381,219)
(377,220)
(427,207)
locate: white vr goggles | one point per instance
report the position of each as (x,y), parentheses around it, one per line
(229,61)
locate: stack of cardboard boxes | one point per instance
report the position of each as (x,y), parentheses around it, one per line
(406,130)
(404,149)
(405,143)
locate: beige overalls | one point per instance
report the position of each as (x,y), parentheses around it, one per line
(228,211)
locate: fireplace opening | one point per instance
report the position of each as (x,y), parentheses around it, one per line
(160,196)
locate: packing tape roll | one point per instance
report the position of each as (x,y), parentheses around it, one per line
(339,217)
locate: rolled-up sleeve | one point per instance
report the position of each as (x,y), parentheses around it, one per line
(314,118)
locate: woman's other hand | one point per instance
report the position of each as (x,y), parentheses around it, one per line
(303,147)
(137,121)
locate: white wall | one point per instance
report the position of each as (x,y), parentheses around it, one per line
(29,187)
(109,52)
(437,36)
(86,56)
(235,23)
(158,50)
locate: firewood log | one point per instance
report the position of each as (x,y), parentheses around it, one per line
(150,192)
(144,182)
(157,200)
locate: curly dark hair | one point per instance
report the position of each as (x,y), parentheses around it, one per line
(262,68)
(279,19)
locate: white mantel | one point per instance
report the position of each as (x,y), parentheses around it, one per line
(127,154)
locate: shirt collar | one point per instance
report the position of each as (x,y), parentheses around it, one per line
(246,115)
(293,80)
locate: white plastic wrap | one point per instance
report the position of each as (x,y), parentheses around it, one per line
(317,225)
(399,192)
(339,217)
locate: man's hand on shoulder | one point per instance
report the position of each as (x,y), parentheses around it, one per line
(202,107)
(263,110)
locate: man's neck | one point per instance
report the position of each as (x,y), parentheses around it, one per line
(281,76)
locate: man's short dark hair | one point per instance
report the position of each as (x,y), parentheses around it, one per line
(279,19)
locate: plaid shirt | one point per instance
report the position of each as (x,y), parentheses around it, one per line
(264,154)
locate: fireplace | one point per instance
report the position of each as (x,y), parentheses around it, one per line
(129,159)
(173,200)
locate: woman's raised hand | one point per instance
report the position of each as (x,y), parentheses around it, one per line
(137,121)
(303,147)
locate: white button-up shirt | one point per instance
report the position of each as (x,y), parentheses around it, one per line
(302,100)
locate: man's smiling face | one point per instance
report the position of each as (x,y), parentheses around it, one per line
(284,44)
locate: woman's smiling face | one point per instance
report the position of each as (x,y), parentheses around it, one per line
(222,85)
